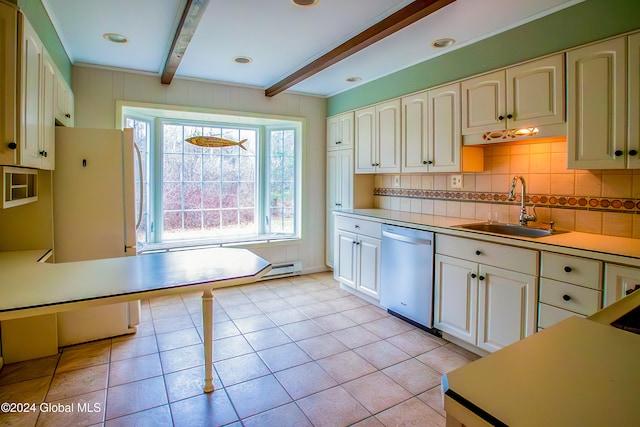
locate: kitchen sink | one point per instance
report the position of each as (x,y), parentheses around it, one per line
(510,229)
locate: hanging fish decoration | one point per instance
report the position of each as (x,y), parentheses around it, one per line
(214,141)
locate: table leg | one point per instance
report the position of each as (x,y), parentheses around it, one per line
(207,318)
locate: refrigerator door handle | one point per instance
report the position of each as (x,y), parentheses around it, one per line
(140,203)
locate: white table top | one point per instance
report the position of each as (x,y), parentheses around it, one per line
(29,288)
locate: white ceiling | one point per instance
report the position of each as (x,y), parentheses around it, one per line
(279,36)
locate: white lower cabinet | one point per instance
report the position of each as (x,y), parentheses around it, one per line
(357,257)
(619,281)
(484,293)
(569,286)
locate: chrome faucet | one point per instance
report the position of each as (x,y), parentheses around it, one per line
(524,217)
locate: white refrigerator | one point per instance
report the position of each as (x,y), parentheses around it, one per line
(94,216)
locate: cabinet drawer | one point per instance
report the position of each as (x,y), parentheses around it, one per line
(358,226)
(502,256)
(569,297)
(571,269)
(549,315)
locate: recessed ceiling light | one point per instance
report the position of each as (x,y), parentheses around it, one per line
(440,43)
(242,60)
(305,3)
(116,38)
(353,79)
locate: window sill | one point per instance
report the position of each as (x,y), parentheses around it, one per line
(265,241)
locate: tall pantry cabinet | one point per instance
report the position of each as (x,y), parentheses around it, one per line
(345,190)
(8,80)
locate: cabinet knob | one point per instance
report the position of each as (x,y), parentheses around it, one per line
(338,142)
(357,226)
(501,118)
(633,152)
(12,145)
(618,153)
(631,290)
(480,278)
(424,162)
(567,269)
(68,116)
(474,275)
(566,297)
(43,153)
(509,116)
(338,204)
(478,252)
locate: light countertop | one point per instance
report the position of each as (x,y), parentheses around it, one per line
(606,248)
(579,372)
(29,288)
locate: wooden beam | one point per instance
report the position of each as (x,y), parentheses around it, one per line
(397,21)
(193,11)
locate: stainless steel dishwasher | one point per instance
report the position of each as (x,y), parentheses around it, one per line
(406,276)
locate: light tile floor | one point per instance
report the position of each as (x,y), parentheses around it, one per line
(288,352)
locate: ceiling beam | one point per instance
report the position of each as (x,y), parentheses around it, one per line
(193,11)
(397,21)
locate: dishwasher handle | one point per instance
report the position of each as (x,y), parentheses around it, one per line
(407,239)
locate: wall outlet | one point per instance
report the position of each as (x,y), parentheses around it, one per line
(396,180)
(456,181)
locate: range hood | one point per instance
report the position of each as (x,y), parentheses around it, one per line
(543,133)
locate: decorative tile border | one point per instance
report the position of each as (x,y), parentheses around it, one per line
(607,204)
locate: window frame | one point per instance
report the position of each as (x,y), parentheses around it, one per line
(264,126)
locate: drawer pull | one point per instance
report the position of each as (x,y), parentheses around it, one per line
(478,252)
(567,269)
(566,297)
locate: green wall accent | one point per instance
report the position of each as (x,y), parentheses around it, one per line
(585,22)
(39,19)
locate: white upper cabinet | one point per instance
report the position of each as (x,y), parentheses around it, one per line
(30,93)
(526,95)
(415,133)
(64,109)
(597,105)
(340,131)
(633,142)
(483,103)
(444,129)
(8,53)
(378,138)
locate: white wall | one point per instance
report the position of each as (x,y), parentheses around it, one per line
(97,90)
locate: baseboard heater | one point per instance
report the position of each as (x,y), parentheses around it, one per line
(284,269)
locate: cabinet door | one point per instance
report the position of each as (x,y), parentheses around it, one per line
(8,32)
(633,143)
(535,92)
(369,266)
(64,102)
(456,297)
(48,129)
(345,258)
(388,132)
(506,307)
(444,128)
(415,156)
(365,140)
(597,105)
(618,281)
(346,132)
(483,103)
(339,190)
(30,97)
(333,133)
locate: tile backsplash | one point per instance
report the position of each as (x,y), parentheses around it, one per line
(592,201)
